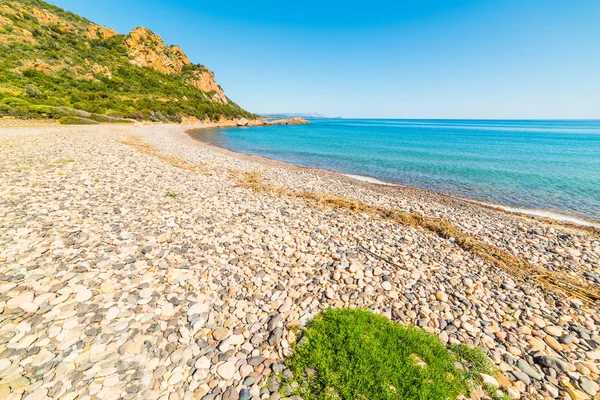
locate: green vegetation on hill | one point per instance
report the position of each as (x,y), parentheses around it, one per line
(52,58)
(355,354)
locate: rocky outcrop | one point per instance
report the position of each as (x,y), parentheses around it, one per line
(147,49)
(205,81)
(102,69)
(11,33)
(48,18)
(100,32)
(291,121)
(37,65)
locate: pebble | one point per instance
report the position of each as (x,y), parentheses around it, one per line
(553,343)
(39,394)
(488,380)
(555,331)
(221,334)
(83,294)
(441,296)
(529,370)
(226,370)
(245,395)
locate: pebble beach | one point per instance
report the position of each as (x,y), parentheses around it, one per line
(135,264)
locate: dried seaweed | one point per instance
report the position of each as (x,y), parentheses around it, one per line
(143,147)
(563,282)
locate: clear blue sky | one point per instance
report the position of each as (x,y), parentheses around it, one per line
(394,59)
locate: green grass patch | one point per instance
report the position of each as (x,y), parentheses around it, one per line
(76,121)
(108,119)
(171,194)
(64,161)
(355,354)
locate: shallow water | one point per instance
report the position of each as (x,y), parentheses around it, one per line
(546,165)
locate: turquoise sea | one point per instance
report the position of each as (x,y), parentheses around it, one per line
(552,166)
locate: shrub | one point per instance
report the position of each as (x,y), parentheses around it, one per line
(107,119)
(355,354)
(76,121)
(42,109)
(15,102)
(33,91)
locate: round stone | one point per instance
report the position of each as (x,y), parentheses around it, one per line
(555,331)
(83,294)
(226,370)
(220,334)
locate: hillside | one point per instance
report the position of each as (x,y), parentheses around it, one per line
(54,63)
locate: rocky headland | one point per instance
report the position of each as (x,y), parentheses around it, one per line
(136,262)
(54,64)
(266,122)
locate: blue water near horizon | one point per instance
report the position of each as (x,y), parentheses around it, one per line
(543,165)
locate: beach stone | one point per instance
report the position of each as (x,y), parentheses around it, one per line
(555,331)
(553,362)
(521,376)
(202,363)
(82,294)
(221,334)
(566,339)
(246,370)
(537,344)
(197,308)
(329,293)
(29,307)
(553,343)
(528,369)
(589,386)
(245,395)
(441,296)
(16,302)
(19,384)
(167,310)
(273,384)
(488,380)
(226,370)
(39,394)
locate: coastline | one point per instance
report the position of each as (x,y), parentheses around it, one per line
(196,265)
(538,214)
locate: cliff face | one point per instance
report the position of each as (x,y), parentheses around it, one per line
(67,60)
(147,49)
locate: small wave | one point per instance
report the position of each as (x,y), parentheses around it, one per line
(544,213)
(369,179)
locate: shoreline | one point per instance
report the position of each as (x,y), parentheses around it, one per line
(538,214)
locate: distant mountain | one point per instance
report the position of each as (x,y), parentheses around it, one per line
(53,62)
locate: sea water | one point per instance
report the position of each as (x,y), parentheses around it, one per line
(539,165)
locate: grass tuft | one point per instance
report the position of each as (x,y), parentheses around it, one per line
(474,360)
(76,121)
(352,354)
(64,161)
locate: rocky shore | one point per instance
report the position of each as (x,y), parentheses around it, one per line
(136,262)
